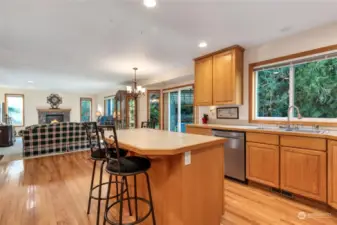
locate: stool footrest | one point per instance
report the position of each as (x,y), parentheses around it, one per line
(110,197)
(125,199)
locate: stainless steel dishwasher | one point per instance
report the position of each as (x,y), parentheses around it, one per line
(235,153)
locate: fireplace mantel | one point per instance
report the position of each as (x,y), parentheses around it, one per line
(43,112)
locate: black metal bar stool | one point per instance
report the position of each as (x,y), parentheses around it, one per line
(99,154)
(125,167)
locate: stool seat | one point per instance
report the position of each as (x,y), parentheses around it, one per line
(99,154)
(130,164)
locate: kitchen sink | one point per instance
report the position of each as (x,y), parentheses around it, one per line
(300,130)
(305,131)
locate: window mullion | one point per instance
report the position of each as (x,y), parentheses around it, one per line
(179,110)
(256,94)
(291,89)
(169,111)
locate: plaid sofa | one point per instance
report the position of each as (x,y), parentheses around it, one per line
(54,138)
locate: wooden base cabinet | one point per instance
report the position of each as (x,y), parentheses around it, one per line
(6,136)
(197,130)
(332,174)
(262,163)
(303,172)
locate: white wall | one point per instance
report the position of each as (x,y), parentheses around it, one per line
(304,41)
(38,99)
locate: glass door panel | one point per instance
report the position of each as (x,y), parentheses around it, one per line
(123,113)
(132,113)
(186,101)
(154,108)
(173,111)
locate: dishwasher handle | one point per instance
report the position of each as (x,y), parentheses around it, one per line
(228,134)
(231,138)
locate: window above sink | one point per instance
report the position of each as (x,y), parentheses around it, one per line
(308,81)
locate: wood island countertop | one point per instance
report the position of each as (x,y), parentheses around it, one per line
(158,142)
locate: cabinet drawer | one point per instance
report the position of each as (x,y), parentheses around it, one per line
(201,131)
(304,142)
(272,139)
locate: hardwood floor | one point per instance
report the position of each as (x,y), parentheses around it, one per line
(247,205)
(54,191)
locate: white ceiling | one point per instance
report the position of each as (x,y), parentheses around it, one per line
(92,45)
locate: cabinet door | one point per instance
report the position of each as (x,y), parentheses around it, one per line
(262,163)
(203,86)
(303,172)
(223,79)
(332,174)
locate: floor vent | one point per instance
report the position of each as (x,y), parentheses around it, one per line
(287,194)
(275,190)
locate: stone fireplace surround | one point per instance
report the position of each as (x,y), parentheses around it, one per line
(42,114)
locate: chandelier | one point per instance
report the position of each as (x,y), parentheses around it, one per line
(135,90)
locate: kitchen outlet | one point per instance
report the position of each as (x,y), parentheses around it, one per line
(187,158)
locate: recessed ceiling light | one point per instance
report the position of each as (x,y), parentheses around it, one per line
(150,3)
(30,82)
(202,44)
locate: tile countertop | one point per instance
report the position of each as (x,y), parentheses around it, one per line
(330,134)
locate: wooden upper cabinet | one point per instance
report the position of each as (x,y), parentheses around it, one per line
(203,86)
(226,78)
(223,79)
(303,172)
(332,174)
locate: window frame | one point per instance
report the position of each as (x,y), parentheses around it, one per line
(279,61)
(148,92)
(85,99)
(23,107)
(112,97)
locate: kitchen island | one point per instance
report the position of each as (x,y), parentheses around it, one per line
(187,175)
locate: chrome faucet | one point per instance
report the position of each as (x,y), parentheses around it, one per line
(299,116)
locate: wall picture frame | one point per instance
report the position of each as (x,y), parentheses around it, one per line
(227,113)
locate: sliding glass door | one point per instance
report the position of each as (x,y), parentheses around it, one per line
(173,111)
(178,109)
(186,99)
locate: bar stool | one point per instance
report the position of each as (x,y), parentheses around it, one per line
(99,154)
(148,124)
(125,167)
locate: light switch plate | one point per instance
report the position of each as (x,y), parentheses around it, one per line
(187,158)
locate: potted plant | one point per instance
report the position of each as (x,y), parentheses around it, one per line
(205,119)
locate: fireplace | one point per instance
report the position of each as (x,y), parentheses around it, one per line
(46,116)
(54,117)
